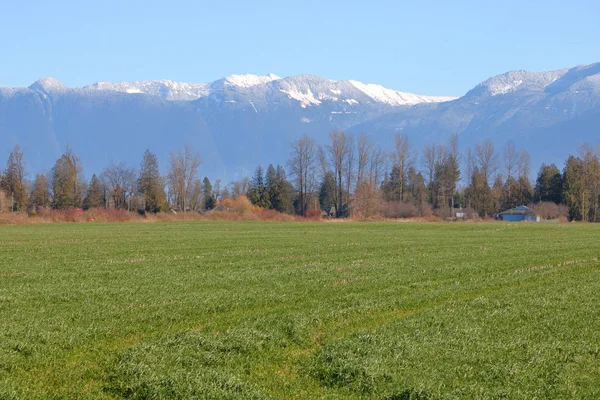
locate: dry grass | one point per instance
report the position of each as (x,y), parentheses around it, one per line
(229,210)
(101,215)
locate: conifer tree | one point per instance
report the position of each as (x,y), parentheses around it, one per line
(66,188)
(150,184)
(210,202)
(95,197)
(258,194)
(327,192)
(279,190)
(574,188)
(548,186)
(40,196)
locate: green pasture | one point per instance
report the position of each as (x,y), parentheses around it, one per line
(266,310)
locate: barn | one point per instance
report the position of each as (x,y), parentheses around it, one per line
(520,213)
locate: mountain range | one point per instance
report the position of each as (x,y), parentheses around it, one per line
(240,121)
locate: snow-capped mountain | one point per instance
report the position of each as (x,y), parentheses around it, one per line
(549,113)
(308,90)
(243,120)
(168,90)
(517,80)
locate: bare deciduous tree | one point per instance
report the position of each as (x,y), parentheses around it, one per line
(365,149)
(429,161)
(302,168)
(511,160)
(339,154)
(12,182)
(487,160)
(120,182)
(377,165)
(240,187)
(182,173)
(403,160)
(523,167)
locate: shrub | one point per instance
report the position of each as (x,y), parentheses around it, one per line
(313,213)
(395,209)
(550,210)
(240,205)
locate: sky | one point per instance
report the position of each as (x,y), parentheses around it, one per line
(425,47)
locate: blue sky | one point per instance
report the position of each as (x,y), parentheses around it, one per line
(426,47)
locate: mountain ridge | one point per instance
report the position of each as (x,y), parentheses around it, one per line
(184,91)
(243,120)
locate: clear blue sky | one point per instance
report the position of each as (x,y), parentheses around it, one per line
(426,47)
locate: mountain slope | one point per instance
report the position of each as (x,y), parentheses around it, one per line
(549,113)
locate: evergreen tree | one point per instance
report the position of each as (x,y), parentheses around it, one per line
(271,179)
(258,194)
(497,192)
(150,185)
(40,196)
(591,173)
(327,192)
(210,202)
(574,188)
(446,175)
(479,194)
(510,195)
(95,197)
(548,186)
(392,187)
(523,194)
(65,181)
(280,190)
(417,190)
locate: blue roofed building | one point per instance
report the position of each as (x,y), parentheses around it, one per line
(520,213)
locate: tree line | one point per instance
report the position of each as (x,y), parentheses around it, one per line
(348,176)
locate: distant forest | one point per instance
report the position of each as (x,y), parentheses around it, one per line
(348,177)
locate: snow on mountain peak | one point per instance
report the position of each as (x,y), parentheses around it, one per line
(248,80)
(47,85)
(169,90)
(308,90)
(394,97)
(517,80)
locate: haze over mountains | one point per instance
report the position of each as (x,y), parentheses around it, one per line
(242,120)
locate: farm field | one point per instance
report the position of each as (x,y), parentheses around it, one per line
(253,310)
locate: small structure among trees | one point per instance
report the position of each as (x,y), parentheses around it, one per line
(518,214)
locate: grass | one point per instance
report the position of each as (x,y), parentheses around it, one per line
(255,310)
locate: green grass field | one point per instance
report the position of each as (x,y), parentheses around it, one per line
(249,310)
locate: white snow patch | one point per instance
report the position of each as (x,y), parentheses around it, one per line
(504,88)
(300,89)
(323,96)
(305,120)
(166,89)
(394,97)
(248,80)
(255,110)
(305,99)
